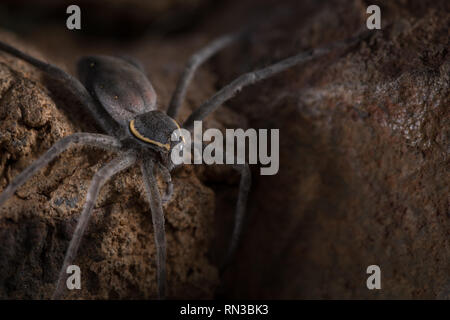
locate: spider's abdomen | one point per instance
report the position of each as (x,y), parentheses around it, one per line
(154,127)
(119,86)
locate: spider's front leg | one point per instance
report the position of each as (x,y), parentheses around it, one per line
(154,199)
(241,204)
(230,90)
(102,118)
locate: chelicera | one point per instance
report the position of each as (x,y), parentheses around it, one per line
(122,101)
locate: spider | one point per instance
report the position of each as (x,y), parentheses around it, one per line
(122,100)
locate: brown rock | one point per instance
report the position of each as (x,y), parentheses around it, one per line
(363,157)
(363,163)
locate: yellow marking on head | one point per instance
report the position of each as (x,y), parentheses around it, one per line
(141,137)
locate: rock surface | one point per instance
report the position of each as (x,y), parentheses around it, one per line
(364,155)
(363,177)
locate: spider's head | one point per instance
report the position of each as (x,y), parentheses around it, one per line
(155,129)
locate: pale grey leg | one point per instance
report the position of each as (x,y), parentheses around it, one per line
(193,64)
(235,86)
(89,139)
(107,124)
(100,178)
(154,199)
(241,206)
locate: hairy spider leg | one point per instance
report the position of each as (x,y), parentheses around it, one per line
(154,199)
(81,139)
(230,90)
(194,62)
(239,213)
(168,180)
(120,163)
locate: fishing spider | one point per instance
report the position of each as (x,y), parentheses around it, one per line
(122,101)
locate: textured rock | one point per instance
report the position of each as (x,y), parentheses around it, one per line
(364,158)
(117,256)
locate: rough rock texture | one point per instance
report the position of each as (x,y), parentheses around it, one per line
(117,254)
(363,178)
(363,158)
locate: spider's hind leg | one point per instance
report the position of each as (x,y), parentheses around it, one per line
(230,90)
(105,122)
(194,62)
(239,214)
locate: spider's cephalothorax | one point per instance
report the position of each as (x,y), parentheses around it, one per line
(155,129)
(122,101)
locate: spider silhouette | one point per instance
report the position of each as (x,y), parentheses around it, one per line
(122,101)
